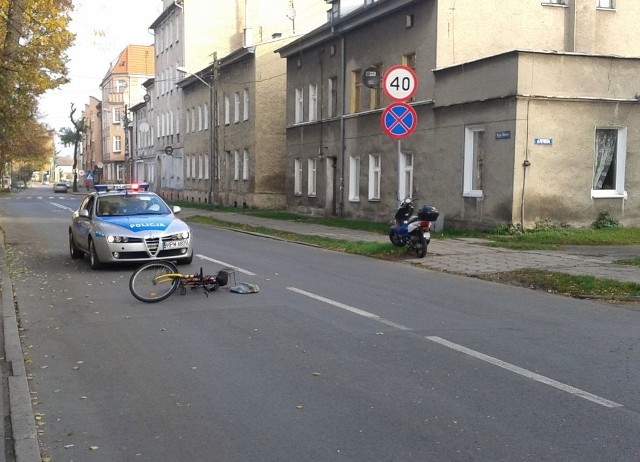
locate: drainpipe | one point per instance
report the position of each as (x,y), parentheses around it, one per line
(525,165)
(343,64)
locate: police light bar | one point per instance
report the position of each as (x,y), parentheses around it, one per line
(122,187)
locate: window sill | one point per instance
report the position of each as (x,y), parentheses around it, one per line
(476,194)
(354,199)
(597,194)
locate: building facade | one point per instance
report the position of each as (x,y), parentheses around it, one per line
(536,120)
(91,148)
(240,162)
(121,89)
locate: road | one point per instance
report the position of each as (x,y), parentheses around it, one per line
(337,358)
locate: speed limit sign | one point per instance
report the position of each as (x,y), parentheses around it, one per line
(400,83)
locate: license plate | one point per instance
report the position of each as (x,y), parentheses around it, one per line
(174,244)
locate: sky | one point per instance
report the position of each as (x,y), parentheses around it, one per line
(103,29)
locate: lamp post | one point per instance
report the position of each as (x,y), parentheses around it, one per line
(213,129)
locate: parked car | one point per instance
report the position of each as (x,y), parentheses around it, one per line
(60,187)
(20,184)
(127,224)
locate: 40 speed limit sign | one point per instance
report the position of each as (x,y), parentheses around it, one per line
(400,83)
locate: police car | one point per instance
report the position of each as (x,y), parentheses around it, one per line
(128,224)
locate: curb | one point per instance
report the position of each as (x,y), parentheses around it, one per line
(24,434)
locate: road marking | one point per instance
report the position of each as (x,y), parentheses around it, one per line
(351,309)
(228,265)
(63,207)
(489,359)
(526,373)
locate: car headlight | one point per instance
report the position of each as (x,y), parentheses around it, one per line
(117,239)
(178,236)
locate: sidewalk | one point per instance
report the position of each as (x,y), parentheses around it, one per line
(469,256)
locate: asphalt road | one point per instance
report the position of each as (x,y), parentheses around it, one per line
(337,357)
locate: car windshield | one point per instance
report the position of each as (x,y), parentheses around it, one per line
(134,204)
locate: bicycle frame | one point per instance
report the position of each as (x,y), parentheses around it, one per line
(156,281)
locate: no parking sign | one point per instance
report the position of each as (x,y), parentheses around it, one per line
(399,120)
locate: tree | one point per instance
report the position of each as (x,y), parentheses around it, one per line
(33,43)
(73,136)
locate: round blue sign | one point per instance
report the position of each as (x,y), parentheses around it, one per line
(399,120)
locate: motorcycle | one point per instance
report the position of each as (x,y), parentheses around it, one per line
(412,230)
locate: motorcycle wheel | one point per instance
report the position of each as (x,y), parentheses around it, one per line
(420,245)
(394,238)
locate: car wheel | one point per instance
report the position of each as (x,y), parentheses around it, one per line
(93,256)
(75,252)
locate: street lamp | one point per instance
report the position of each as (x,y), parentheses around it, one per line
(213,131)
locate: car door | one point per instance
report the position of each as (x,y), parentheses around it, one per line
(83,224)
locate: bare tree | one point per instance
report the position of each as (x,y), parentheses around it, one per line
(73,136)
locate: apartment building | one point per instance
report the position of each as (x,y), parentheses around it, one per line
(194,158)
(526,111)
(121,89)
(144,168)
(91,148)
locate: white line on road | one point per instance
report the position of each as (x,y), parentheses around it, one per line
(240,270)
(496,362)
(526,373)
(351,309)
(63,207)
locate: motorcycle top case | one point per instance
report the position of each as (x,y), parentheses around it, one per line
(428,213)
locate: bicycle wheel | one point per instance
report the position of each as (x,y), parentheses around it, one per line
(153,281)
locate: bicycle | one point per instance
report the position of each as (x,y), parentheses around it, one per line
(157,280)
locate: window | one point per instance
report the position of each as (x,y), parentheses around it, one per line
(236,165)
(193,120)
(297,177)
(409,21)
(236,107)
(313,102)
(245,164)
(299,105)
(354,178)
(554,2)
(611,4)
(117,143)
(117,116)
(332,97)
(409,60)
(200,167)
(193,167)
(375,100)
(206,166)
(120,86)
(199,118)
(187,173)
(473,161)
(311,176)
(188,119)
(227,107)
(609,162)
(406,177)
(245,109)
(356,90)
(374,177)
(206,116)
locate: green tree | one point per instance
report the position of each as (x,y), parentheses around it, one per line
(33,43)
(73,137)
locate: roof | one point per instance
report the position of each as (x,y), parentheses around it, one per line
(134,60)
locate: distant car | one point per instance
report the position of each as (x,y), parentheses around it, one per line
(60,187)
(128,224)
(68,183)
(20,184)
